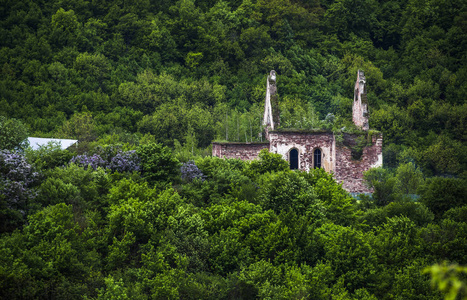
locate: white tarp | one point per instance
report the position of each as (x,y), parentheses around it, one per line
(35,142)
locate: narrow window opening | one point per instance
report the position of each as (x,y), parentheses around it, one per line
(293,158)
(317,158)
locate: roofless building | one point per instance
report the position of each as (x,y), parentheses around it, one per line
(308,149)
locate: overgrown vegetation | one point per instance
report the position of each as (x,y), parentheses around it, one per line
(221,229)
(188,72)
(145,86)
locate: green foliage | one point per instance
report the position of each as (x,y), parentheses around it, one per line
(298,115)
(383,183)
(13,134)
(81,126)
(158,164)
(263,280)
(210,165)
(268,162)
(163,68)
(49,156)
(457,214)
(448,280)
(411,283)
(357,149)
(83,188)
(408,179)
(284,191)
(350,254)
(339,205)
(443,156)
(113,290)
(398,232)
(444,240)
(49,258)
(416,212)
(137,73)
(227,236)
(441,194)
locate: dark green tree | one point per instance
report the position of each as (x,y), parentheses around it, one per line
(13,134)
(158,165)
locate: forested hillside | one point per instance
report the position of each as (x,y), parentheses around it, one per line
(189,70)
(139,210)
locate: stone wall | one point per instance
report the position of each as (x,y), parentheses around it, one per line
(306,143)
(335,157)
(350,171)
(243,151)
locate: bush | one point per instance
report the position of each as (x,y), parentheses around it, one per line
(17,181)
(457,214)
(111,158)
(48,156)
(157,163)
(442,194)
(268,162)
(191,172)
(13,134)
(83,188)
(288,191)
(86,161)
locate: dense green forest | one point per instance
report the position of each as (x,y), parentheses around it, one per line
(188,72)
(139,210)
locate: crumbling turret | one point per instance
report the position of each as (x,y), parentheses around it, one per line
(360,103)
(271,114)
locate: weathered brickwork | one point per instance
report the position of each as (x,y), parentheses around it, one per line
(306,143)
(350,171)
(243,151)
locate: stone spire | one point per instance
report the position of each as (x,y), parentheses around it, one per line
(360,103)
(269,120)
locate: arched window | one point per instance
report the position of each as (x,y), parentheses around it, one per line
(317,158)
(293,159)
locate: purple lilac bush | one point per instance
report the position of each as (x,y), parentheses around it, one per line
(17,178)
(122,161)
(93,161)
(191,172)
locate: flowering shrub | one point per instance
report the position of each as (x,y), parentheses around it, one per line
(94,161)
(126,161)
(121,161)
(190,172)
(16,175)
(17,180)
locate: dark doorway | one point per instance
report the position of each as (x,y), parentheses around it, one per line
(317,158)
(293,159)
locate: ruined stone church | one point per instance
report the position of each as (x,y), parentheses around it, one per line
(307,149)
